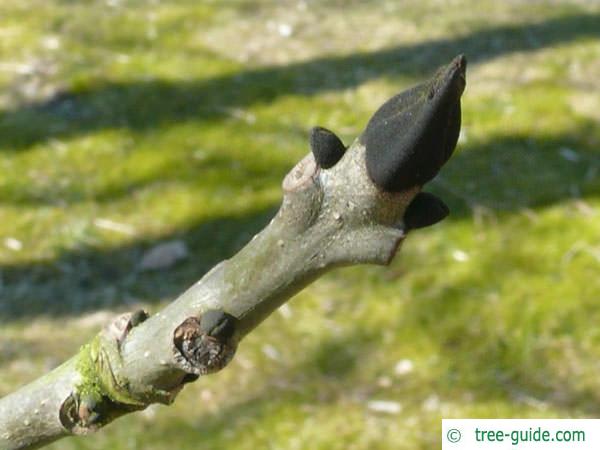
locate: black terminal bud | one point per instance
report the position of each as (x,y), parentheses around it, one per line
(425,210)
(327,148)
(413,134)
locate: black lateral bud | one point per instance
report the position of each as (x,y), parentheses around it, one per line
(327,148)
(218,323)
(425,210)
(412,135)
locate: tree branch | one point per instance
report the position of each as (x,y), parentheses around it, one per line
(340,207)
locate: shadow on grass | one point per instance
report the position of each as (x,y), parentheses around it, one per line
(509,173)
(515,172)
(487,375)
(324,375)
(211,173)
(295,395)
(91,278)
(146,105)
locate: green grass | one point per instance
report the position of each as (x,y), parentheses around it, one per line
(179,119)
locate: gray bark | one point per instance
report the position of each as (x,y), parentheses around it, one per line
(339,209)
(329,217)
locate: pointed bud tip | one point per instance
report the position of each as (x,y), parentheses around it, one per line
(458,69)
(460,62)
(412,135)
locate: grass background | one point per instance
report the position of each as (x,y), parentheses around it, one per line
(178,119)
